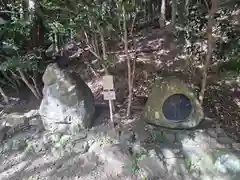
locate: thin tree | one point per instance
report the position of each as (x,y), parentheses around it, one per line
(125,38)
(210,42)
(174,12)
(162,19)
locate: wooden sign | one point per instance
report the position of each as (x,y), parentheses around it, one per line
(108,82)
(109,95)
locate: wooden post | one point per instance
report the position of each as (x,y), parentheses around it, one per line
(109,94)
(111,112)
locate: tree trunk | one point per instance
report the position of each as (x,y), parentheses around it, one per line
(104,50)
(105,58)
(36,87)
(94,53)
(103,47)
(25,5)
(174,12)
(128,62)
(28,84)
(162,19)
(5,98)
(209,50)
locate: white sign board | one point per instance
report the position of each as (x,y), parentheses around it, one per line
(108,82)
(109,95)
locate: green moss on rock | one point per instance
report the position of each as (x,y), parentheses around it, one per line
(164,88)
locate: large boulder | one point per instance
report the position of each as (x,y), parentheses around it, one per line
(173,104)
(68,103)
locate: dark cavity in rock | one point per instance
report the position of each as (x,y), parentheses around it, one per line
(177,107)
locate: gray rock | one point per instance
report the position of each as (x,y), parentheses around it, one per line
(68,103)
(165,88)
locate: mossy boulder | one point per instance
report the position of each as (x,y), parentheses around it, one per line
(162,90)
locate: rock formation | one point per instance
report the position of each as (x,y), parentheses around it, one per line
(173,104)
(68,103)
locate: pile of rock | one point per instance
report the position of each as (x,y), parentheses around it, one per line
(66,111)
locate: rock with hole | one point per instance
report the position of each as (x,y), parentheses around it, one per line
(173,104)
